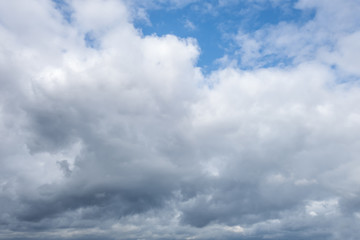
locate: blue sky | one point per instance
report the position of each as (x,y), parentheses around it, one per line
(179,119)
(213,24)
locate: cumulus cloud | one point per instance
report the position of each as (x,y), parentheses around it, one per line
(127,139)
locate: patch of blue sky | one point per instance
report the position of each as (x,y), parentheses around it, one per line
(185,23)
(90,40)
(63,7)
(214,24)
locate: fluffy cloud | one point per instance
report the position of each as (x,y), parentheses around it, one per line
(110,134)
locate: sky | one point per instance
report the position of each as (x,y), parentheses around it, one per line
(180,119)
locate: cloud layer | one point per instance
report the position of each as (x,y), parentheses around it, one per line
(107,133)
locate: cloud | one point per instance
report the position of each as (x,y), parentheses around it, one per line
(130,140)
(189,25)
(296,42)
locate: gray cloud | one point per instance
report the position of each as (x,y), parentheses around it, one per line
(128,141)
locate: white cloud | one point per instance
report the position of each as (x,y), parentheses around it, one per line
(333,27)
(95,15)
(325,207)
(127,140)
